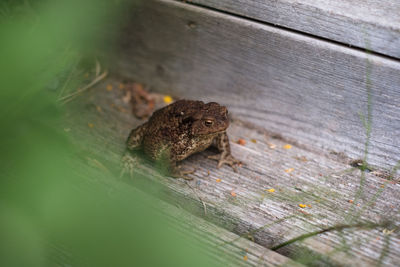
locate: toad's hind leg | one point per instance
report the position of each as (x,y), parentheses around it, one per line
(225,157)
(129,162)
(167,164)
(135,138)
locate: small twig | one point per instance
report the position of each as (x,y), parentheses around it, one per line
(94,162)
(66,83)
(69,97)
(329,229)
(201,200)
(98,68)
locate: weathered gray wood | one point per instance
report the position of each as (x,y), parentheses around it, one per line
(104,142)
(305,89)
(241,253)
(369,24)
(217,240)
(324,181)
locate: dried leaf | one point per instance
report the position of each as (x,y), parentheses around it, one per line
(305,213)
(302,158)
(388,232)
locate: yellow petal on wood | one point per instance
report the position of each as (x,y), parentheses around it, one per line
(167,99)
(287,146)
(289,170)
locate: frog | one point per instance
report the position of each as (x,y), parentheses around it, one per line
(179,130)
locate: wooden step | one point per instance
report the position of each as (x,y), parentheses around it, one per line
(333,192)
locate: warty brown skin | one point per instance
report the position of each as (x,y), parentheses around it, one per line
(181,129)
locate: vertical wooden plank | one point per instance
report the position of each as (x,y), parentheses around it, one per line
(302,88)
(368,24)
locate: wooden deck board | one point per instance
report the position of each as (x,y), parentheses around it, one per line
(307,89)
(218,246)
(320,179)
(366,24)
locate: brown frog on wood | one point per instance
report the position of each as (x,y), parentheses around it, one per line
(179,130)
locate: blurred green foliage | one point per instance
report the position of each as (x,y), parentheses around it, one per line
(52,211)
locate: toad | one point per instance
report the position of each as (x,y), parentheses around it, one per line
(179,130)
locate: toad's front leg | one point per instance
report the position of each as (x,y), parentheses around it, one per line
(176,172)
(225,157)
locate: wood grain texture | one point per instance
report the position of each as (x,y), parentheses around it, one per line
(369,24)
(217,246)
(321,180)
(242,252)
(302,88)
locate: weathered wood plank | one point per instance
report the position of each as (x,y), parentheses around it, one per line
(242,252)
(370,24)
(305,89)
(324,181)
(218,247)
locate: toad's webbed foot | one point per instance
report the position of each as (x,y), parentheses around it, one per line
(227,159)
(128,164)
(176,172)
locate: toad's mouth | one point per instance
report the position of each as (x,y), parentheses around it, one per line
(212,133)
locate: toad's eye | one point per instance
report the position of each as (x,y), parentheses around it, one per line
(208,123)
